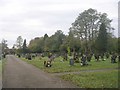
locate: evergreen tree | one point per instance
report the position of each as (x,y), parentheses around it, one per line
(24,47)
(101,41)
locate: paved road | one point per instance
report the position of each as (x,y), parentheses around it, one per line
(19,74)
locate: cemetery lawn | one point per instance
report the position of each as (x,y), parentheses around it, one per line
(102,79)
(59,66)
(0,67)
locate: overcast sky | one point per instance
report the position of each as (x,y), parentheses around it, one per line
(34,18)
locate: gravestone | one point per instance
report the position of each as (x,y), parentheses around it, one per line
(96,57)
(102,56)
(33,56)
(107,55)
(29,57)
(113,58)
(84,60)
(76,58)
(71,61)
(89,56)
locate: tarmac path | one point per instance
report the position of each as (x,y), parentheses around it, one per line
(19,74)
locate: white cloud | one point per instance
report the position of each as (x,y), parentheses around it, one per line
(29,23)
(11,8)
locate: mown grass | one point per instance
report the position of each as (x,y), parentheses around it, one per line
(105,79)
(2,64)
(58,66)
(0,67)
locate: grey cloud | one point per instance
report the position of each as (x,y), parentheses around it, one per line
(50,14)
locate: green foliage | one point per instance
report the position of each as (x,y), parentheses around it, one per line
(101,42)
(46,43)
(45,37)
(36,45)
(57,40)
(86,27)
(68,50)
(19,42)
(113,45)
(118,45)
(4,46)
(72,42)
(24,47)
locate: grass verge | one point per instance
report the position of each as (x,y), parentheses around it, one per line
(103,79)
(0,67)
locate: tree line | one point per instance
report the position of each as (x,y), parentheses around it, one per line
(90,32)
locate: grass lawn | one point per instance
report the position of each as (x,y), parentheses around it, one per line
(0,67)
(2,64)
(58,66)
(103,79)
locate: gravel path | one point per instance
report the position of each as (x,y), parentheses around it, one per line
(19,74)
